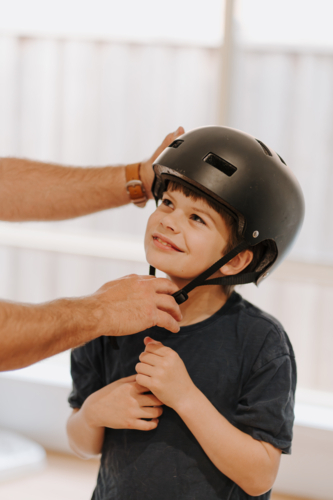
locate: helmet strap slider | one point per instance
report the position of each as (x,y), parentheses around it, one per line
(180,296)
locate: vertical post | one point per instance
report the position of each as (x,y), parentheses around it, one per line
(226,66)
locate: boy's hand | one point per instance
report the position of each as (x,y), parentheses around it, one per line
(163,372)
(122,405)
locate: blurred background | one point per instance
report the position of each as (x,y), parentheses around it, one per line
(92,83)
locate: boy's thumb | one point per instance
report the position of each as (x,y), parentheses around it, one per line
(149,340)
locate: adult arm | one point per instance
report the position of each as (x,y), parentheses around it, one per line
(250,463)
(120,405)
(29,333)
(31,190)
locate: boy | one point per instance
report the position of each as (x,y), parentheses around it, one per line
(216,398)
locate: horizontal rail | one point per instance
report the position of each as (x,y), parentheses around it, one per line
(128,248)
(90,244)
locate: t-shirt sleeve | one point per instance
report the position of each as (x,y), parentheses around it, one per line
(266,406)
(87,373)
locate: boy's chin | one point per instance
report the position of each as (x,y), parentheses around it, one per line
(171,273)
(170,270)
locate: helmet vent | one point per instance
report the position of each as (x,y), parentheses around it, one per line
(221,164)
(176,144)
(264,148)
(281,159)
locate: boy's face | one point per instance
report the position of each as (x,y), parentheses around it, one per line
(184,237)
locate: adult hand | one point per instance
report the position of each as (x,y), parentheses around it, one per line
(122,405)
(133,304)
(163,372)
(146,170)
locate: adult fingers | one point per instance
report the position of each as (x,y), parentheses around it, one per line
(164,320)
(167,303)
(167,140)
(135,303)
(162,285)
(146,171)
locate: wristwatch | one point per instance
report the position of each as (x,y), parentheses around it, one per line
(134,185)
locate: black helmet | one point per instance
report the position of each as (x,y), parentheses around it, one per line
(251,181)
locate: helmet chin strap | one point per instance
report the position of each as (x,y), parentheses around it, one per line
(182,295)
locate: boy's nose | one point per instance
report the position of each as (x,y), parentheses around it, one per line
(170,222)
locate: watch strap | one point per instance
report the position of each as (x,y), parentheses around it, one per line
(134,185)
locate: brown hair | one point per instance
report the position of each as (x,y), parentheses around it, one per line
(234,237)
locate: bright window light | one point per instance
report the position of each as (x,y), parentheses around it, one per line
(288,22)
(180,21)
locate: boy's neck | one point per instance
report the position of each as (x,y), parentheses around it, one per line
(203,302)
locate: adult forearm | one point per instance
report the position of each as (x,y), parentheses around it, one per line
(32,190)
(86,441)
(246,461)
(125,306)
(30,333)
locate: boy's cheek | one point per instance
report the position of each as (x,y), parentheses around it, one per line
(151,224)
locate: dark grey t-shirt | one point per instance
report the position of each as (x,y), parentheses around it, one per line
(240,358)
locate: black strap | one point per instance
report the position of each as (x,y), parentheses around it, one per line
(152,271)
(237,279)
(182,295)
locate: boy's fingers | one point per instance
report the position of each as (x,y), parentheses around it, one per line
(144,369)
(146,425)
(149,340)
(143,380)
(149,400)
(139,388)
(157,348)
(151,412)
(148,358)
(126,380)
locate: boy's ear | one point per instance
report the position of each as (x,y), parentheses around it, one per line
(238,263)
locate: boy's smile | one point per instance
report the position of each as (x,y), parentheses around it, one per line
(184,236)
(164,243)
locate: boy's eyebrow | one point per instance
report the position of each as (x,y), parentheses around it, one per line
(195,209)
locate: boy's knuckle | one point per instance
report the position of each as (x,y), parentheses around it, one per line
(172,354)
(129,423)
(157,412)
(154,385)
(137,367)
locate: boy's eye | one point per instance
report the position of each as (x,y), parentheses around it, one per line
(166,202)
(196,218)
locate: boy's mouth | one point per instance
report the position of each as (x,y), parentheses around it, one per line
(163,242)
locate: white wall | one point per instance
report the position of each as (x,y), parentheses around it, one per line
(94,103)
